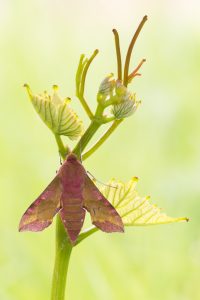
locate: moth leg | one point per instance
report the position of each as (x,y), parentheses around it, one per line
(96,180)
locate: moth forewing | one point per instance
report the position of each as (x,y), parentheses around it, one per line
(40,213)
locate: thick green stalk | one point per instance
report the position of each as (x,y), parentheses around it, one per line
(63,246)
(94,126)
(97,121)
(63,253)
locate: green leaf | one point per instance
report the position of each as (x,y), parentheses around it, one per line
(133,209)
(56,113)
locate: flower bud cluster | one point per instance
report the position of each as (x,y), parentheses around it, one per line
(126,103)
(113,92)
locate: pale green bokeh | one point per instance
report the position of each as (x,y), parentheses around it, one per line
(40,44)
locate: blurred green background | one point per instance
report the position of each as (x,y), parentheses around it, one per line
(40,43)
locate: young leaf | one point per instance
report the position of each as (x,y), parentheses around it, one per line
(56,113)
(133,209)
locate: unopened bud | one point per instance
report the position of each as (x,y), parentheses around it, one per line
(107,85)
(126,106)
(120,89)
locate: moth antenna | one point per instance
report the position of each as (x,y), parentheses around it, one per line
(60,159)
(94,179)
(80,153)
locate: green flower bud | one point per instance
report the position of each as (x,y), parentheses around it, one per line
(126,103)
(107,85)
(120,89)
(106,88)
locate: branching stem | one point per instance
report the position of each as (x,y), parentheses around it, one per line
(102,139)
(80,81)
(86,233)
(130,49)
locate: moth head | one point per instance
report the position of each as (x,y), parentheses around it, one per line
(71,157)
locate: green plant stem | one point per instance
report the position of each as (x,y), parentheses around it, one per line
(86,106)
(97,121)
(94,126)
(86,234)
(63,246)
(63,253)
(62,150)
(102,139)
